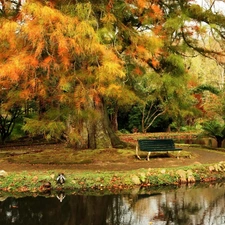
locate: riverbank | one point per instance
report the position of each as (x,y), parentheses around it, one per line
(40,182)
(108,171)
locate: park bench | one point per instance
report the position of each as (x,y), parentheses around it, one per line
(156,145)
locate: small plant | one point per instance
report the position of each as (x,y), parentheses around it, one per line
(215,129)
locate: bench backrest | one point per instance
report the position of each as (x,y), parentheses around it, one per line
(156,144)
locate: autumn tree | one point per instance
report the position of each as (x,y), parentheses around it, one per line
(59,62)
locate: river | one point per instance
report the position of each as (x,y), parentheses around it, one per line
(187,205)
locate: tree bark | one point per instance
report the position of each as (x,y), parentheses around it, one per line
(96,133)
(115,141)
(114,118)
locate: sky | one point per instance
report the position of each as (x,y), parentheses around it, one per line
(219,5)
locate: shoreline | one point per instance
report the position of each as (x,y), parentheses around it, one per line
(41,182)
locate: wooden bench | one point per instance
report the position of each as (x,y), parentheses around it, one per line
(156,145)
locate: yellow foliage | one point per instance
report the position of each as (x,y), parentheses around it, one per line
(108,18)
(39,49)
(111,67)
(8,33)
(114,91)
(13,67)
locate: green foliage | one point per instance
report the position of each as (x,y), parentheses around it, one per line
(49,129)
(174,22)
(134,119)
(206,87)
(124,131)
(214,129)
(17,131)
(175,65)
(162,179)
(8,119)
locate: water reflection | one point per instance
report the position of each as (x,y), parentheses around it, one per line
(194,205)
(61,195)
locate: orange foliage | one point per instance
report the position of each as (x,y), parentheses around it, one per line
(192,83)
(141,3)
(130,1)
(30,60)
(141,49)
(138,71)
(39,48)
(109,5)
(97,100)
(157,29)
(25,94)
(47,60)
(156,10)
(155,63)
(65,61)
(199,104)
(14,75)
(62,50)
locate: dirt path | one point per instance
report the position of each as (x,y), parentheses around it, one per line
(199,156)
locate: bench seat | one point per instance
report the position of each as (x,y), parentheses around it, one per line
(156,145)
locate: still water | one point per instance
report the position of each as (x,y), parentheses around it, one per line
(187,205)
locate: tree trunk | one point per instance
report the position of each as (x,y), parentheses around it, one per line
(219,141)
(95,132)
(114,118)
(115,141)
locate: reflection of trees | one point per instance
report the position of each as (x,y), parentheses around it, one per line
(73,210)
(28,210)
(201,203)
(215,210)
(183,206)
(89,209)
(179,213)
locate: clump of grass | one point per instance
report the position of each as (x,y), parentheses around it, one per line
(68,156)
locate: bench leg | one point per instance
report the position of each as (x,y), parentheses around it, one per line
(148,156)
(137,153)
(178,155)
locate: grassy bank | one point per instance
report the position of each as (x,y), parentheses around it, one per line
(113,182)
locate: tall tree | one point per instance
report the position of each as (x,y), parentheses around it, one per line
(59,62)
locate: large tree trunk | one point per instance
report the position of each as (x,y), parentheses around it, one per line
(115,141)
(95,132)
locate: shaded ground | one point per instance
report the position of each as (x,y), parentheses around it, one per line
(106,159)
